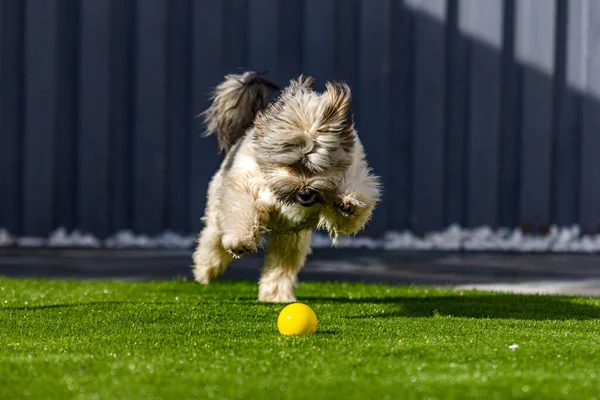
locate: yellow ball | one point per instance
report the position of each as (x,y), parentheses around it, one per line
(297,319)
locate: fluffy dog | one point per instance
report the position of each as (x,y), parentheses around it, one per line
(292,165)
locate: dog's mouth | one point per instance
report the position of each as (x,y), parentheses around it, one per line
(307,197)
(293,190)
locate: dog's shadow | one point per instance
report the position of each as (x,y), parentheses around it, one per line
(480,305)
(493,305)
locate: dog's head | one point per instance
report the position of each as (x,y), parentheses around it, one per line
(304,141)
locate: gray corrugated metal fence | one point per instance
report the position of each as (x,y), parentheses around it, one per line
(473,111)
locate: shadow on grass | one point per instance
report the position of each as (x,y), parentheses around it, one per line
(328,332)
(492,305)
(86,304)
(501,306)
(237,300)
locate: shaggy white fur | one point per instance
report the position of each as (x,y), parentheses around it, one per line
(298,166)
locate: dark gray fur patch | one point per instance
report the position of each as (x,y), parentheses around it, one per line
(230,158)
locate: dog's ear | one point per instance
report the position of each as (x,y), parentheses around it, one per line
(337,112)
(305,81)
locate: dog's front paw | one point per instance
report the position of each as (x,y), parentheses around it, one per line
(256,186)
(348,206)
(204,274)
(276,292)
(282,298)
(237,246)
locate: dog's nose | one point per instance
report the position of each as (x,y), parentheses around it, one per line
(306,197)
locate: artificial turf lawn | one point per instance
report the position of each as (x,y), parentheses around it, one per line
(69,339)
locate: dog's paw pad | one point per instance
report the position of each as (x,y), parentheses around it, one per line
(238,252)
(237,247)
(349,206)
(345,208)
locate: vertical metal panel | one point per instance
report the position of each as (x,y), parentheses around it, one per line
(535,49)
(179,117)
(457,134)
(150,117)
(318,43)
(510,123)
(590,141)
(482,24)
(235,39)
(289,39)
(67,94)
(347,36)
(94,117)
(399,145)
(11,114)
(577,19)
(569,81)
(262,29)
(473,112)
(122,113)
(206,74)
(41,63)
(373,96)
(429,111)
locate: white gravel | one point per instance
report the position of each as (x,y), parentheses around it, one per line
(454,238)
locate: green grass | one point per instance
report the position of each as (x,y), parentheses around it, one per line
(70,339)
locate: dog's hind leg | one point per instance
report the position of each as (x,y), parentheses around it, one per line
(210,258)
(285,256)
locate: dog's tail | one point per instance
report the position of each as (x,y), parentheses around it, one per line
(235,103)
